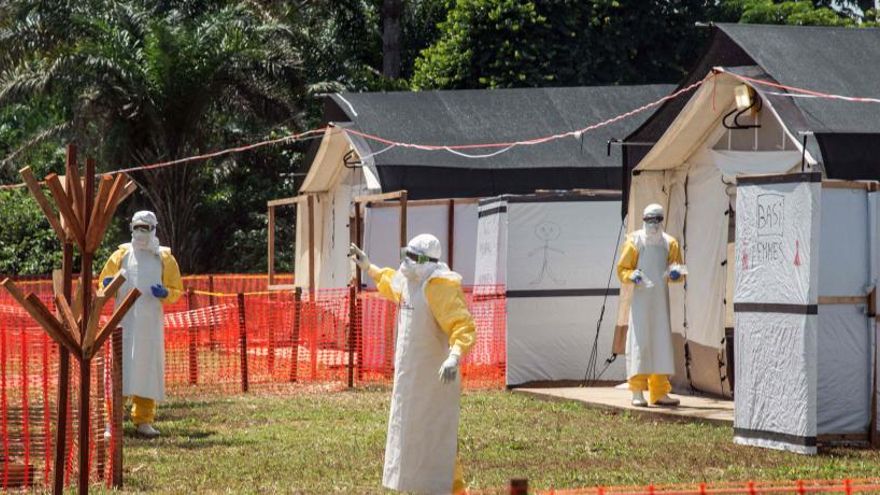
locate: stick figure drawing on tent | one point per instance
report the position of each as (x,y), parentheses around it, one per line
(546,232)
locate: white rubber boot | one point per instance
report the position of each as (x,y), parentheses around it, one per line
(146,430)
(667,401)
(638,399)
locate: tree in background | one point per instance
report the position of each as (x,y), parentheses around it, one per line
(141,82)
(518,43)
(521,43)
(800,13)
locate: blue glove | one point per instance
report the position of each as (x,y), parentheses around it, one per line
(674,275)
(107,281)
(159,291)
(636,277)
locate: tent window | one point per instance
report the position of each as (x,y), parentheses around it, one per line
(770,136)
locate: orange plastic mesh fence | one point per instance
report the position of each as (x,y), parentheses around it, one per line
(846,486)
(228,334)
(28,402)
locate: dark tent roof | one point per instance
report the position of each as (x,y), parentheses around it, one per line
(843,61)
(501,115)
(836,60)
(491,116)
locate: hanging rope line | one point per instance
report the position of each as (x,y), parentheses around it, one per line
(502,147)
(449,148)
(800,92)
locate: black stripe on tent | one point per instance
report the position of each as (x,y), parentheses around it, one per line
(789,309)
(562,292)
(779,178)
(775,436)
(565,198)
(492,211)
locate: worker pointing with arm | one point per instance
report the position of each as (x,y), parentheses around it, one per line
(649,259)
(434,332)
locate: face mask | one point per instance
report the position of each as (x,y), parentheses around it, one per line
(652,228)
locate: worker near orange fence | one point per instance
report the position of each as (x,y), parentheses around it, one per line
(650,259)
(154,271)
(434,331)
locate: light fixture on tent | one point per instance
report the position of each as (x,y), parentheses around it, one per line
(746,99)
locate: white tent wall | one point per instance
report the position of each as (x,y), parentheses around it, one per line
(874,263)
(332,215)
(806,254)
(382,232)
(556,255)
(846,343)
(776,298)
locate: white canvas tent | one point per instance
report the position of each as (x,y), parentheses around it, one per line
(555,253)
(452,221)
(333,187)
(806,271)
(692,172)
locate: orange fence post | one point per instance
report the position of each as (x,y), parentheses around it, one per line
(193,336)
(519,487)
(212,302)
(116,412)
(352,298)
(359,333)
(242,337)
(294,344)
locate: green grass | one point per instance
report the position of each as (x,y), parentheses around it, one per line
(323,442)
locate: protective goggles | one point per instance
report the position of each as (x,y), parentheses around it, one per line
(418,258)
(654,219)
(142,228)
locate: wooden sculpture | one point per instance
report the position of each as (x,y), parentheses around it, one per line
(82,220)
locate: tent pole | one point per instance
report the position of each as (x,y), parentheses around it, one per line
(450,224)
(403,218)
(311,207)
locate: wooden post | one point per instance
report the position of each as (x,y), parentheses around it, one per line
(311,206)
(359,334)
(271,242)
(193,335)
(294,344)
(352,328)
(358,239)
(212,301)
(403,218)
(63,370)
(242,337)
(450,234)
(75,327)
(85,377)
(117,410)
(100,416)
(874,435)
(519,487)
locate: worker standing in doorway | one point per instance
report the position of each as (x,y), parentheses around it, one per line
(650,259)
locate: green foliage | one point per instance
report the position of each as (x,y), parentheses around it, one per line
(802,13)
(28,246)
(511,43)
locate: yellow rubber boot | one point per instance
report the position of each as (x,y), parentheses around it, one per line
(143,410)
(658,387)
(458,485)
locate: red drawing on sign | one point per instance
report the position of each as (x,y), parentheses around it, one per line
(745,258)
(797,253)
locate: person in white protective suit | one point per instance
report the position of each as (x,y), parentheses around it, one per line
(154,271)
(650,259)
(434,331)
